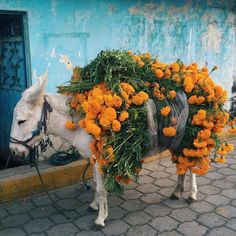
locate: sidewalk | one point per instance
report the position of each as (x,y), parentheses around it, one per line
(144,209)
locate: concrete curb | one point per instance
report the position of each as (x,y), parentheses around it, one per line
(25,184)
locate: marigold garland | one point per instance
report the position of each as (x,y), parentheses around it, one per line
(111,93)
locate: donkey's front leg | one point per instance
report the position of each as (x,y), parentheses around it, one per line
(179,188)
(193,188)
(101,199)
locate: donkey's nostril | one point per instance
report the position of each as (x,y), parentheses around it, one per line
(13,152)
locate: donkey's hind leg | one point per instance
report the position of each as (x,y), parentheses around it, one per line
(193,188)
(101,199)
(93,206)
(179,188)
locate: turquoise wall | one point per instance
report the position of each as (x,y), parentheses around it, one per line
(63,33)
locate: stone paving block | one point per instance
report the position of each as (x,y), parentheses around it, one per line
(15,220)
(233,166)
(226,171)
(44,200)
(144,172)
(38,225)
(176,203)
(202,207)
(171,170)
(226,211)
(223,184)
(164,223)
(230,193)
(148,188)
(164,182)
(132,185)
(20,207)
(211,219)
(209,190)
(3,213)
(166,192)
(233,203)
(202,180)
(39,234)
(83,210)
(223,231)
(159,174)
(133,205)
(58,218)
(42,211)
(154,167)
(85,196)
(89,233)
(142,230)
(192,228)
(151,198)
(183,214)
(67,192)
(115,227)
(171,233)
(145,179)
(232,224)
(231,179)
(115,213)
(137,218)
(85,222)
(214,175)
(12,232)
(67,229)
(158,210)
(131,194)
(114,200)
(68,203)
(218,200)
(166,162)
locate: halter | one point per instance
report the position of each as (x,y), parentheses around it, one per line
(41,126)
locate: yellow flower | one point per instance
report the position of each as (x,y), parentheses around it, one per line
(165,111)
(192,99)
(127,88)
(169,131)
(110,114)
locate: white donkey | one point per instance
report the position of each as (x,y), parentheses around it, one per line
(31,119)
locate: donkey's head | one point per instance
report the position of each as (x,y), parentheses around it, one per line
(26,117)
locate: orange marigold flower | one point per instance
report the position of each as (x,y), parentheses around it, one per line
(127,88)
(175,67)
(188,81)
(110,113)
(116,125)
(117,101)
(222,151)
(159,73)
(123,116)
(232,130)
(221,159)
(172,94)
(228,147)
(200,100)
(141,63)
(70,125)
(143,95)
(139,98)
(167,73)
(189,88)
(129,52)
(199,144)
(192,99)
(202,114)
(208,124)
(165,111)
(109,101)
(104,122)
(169,131)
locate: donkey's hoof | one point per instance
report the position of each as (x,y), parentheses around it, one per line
(191,200)
(97,227)
(173,197)
(90,209)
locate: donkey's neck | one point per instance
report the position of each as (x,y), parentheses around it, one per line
(56,125)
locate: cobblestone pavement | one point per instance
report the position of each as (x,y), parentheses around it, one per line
(144,209)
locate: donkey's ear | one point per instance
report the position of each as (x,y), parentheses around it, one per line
(34,94)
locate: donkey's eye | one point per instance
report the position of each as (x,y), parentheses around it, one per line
(20,122)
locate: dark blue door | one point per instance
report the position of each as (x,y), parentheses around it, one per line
(13,71)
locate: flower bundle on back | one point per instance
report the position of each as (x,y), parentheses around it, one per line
(111,92)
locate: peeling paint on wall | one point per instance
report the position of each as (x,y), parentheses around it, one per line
(211,40)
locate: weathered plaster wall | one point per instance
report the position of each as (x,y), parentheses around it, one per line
(65,33)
